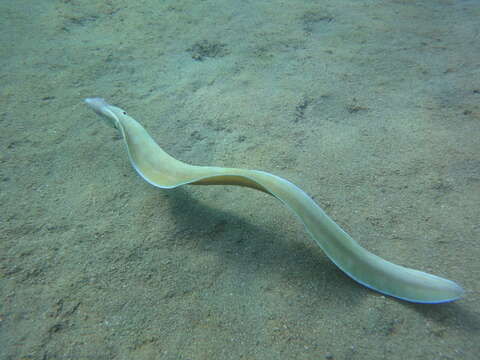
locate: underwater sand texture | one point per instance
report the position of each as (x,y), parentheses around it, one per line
(371,107)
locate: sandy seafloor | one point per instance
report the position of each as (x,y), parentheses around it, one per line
(371,107)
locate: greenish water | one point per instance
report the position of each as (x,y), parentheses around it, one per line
(371,107)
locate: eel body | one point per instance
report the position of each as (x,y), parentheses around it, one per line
(159,169)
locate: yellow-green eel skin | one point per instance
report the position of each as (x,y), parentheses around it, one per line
(158,168)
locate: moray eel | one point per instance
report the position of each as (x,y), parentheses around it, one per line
(159,169)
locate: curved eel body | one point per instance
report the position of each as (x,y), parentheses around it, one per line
(158,168)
